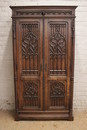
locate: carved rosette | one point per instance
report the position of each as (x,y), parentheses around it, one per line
(57,89)
(30,89)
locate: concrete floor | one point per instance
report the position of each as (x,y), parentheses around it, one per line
(7,123)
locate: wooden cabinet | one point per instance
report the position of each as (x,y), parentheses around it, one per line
(43,51)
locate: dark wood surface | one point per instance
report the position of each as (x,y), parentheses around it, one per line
(43,52)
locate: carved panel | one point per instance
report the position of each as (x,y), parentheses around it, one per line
(30,41)
(29,45)
(57,48)
(30,94)
(57,93)
(57,44)
(57,89)
(30,89)
(43,12)
(15,49)
(14,29)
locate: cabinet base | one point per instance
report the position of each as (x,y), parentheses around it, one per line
(43,117)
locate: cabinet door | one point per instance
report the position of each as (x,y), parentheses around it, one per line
(57,63)
(29,49)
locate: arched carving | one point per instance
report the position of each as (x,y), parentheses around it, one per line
(57,44)
(29,45)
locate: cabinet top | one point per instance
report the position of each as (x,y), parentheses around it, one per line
(44,7)
(40,11)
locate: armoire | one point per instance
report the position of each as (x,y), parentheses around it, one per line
(43,56)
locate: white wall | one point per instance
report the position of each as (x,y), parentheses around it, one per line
(6,58)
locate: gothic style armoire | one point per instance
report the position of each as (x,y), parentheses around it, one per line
(43,53)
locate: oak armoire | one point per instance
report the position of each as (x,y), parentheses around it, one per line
(43,55)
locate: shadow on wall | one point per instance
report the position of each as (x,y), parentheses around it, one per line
(6,69)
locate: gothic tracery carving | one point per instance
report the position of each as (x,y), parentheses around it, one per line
(57,43)
(29,44)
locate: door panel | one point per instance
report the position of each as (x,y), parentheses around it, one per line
(57,94)
(53,71)
(57,48)
(30,63)
(57,62)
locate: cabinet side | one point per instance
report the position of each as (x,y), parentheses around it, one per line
(72,66)
(15,63)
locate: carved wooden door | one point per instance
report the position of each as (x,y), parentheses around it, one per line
(57,63)
(29,49)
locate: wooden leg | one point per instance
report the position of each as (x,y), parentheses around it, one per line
(71,118)
(16,117)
